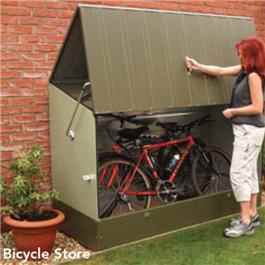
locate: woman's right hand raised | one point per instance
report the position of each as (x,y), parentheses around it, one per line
(191,64)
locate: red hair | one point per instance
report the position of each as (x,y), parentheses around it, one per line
(253,53)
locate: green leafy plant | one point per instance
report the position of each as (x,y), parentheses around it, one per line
(22,196)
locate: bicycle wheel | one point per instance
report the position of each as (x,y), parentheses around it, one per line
(210,171)
(112,179)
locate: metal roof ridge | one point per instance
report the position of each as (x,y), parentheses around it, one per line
(163,11)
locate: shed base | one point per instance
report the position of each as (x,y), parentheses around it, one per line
(113,231)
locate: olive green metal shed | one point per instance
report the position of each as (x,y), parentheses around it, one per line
(134,62)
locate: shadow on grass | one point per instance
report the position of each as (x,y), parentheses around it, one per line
(203,245)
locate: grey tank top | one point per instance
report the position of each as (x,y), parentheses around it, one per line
(241,97)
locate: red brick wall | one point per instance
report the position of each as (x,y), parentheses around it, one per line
(32,33)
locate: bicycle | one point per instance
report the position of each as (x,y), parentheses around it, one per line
(134,180)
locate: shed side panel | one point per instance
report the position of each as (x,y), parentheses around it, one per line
(71,160)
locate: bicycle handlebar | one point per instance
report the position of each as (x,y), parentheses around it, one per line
(129,119)
(198,122)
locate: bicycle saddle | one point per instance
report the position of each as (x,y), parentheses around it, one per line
(170,126)
(132,134)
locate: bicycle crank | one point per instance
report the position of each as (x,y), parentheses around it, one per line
(124,199)
(166,191)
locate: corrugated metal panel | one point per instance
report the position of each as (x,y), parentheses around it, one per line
(220,53)
(215,91)
(136,57)
(175,47)
(136,44)
(158,69)
(117,58)
(194,46)
(95,52)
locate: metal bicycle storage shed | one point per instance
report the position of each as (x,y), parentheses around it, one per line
(133,61)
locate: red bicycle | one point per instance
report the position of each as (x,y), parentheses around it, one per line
(162,166)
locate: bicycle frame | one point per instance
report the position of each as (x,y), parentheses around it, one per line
(144,156)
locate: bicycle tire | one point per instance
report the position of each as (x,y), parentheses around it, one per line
(123,203)
(211,176)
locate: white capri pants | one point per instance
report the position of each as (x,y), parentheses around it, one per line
(244,167)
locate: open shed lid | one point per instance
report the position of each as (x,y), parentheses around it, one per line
(134,58)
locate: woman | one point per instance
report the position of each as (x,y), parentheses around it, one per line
(248,121)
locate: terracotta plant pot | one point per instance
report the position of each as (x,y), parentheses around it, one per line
(34,235)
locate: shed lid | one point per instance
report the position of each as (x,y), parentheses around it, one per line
(134,58)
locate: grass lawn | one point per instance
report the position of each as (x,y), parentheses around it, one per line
(203,245)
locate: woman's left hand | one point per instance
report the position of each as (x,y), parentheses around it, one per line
(228,113)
